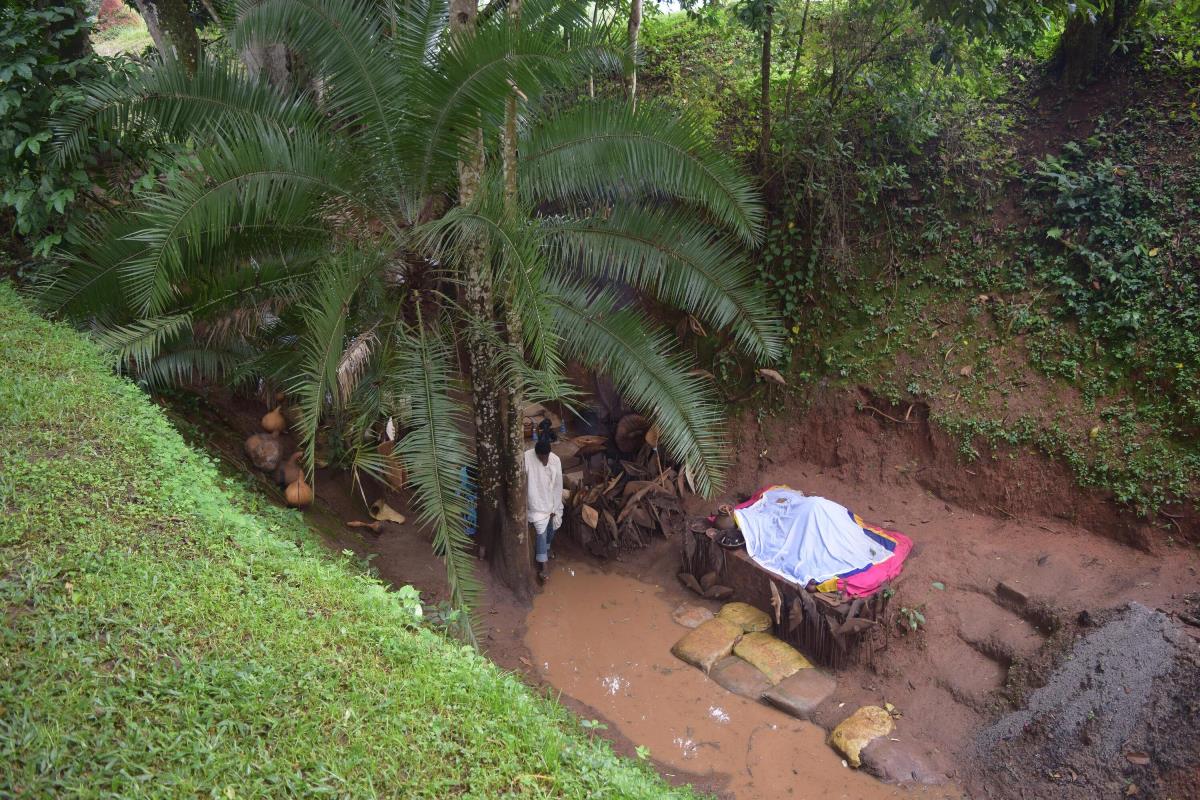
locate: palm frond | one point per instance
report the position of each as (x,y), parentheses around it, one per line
(185,365)
(623,345)
(467,87)
(322,344)
(434,452)
(271,179)
(680,261)
(596,150)
(517,260)
(354,363)
(165,102)
(341,41)
(135,345)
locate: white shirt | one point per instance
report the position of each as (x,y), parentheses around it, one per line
(545,487)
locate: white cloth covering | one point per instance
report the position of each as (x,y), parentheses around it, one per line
(545,488)
(803,538)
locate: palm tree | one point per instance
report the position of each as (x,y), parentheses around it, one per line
(365,245)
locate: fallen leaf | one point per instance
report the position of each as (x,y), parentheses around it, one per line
(1131,790)
(941,587)
(772,375)
(1137,757)
(966,371)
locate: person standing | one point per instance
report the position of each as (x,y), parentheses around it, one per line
(543,471)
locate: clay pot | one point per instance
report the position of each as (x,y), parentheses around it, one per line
(264,450)
(273,421)
(290,471)
(725,521)
(299,494)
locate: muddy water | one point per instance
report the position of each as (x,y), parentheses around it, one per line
(605,640)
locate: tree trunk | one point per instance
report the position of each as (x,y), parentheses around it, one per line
(635,26)
(516,542)
(172,29)
(764,141)
(269,61)
(502,535)
(1087,40)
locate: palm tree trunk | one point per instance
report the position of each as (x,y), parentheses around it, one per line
(170,25)
(501,534)
(635,26)
(516,544)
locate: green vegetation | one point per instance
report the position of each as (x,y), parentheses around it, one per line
(1045,301)
(167,633)
(363,330)
(131,38)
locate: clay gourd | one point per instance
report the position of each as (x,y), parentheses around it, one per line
(264,450)
(299,494)
(273,421)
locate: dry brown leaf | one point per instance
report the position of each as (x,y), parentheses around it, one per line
(772,375)
(695,325)
(591,517)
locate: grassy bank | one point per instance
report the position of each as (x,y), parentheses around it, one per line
(166,633)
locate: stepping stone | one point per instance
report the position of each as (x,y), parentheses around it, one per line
(801,693)
(740,677)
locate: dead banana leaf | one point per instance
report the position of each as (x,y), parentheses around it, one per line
(591,517)
(374,526)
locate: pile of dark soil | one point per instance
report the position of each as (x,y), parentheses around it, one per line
(1118,717)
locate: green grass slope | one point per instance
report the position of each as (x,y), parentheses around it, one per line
(165,633)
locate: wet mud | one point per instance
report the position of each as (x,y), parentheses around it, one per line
(604,640)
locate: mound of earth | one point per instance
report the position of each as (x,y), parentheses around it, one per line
(1118,717)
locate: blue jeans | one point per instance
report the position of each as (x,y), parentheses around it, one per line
(545,537)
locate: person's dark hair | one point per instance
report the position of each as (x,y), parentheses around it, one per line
(542,448)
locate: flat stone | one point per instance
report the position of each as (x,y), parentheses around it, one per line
(740,677)
(691,616)
(901,762)
(800,694)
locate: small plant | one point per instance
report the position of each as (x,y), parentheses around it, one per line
(911,619)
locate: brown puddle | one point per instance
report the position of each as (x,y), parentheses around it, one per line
(605,640)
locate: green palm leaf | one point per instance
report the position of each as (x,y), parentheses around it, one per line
(677,259)
(165,102)
(622,344)
(587,154)
(434,452)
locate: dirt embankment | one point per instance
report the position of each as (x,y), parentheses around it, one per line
(865,437)
(1014,568)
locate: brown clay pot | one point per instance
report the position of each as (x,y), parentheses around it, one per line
(299,494)
(273,421)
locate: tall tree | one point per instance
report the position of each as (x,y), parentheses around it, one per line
(759,16)
(300,252)
(635,27)
(173,30)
